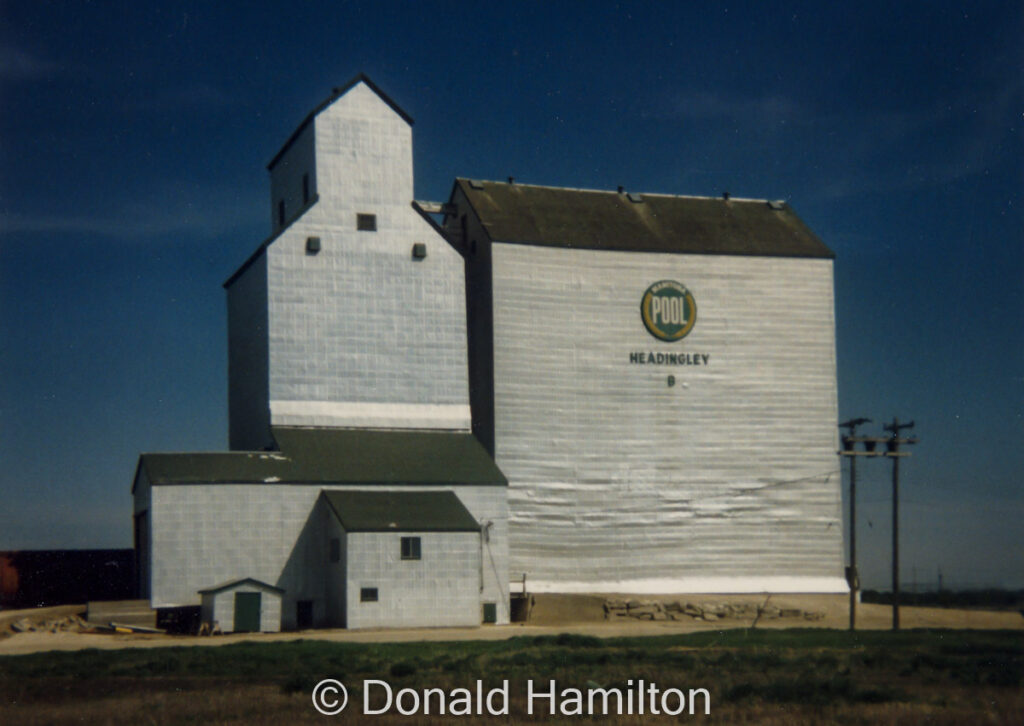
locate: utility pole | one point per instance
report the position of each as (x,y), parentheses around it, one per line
(852,577)
(894,452)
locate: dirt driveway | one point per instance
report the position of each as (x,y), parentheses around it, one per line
(582,614)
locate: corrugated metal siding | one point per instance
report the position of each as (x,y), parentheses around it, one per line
(615,477)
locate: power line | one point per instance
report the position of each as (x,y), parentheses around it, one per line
(892,451)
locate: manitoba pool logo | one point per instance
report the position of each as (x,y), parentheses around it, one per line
(668,310)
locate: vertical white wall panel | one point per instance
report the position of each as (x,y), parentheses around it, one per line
(219,607)
(335,572)
(363,334)
(207,534)
(440,589)
(141,522)
(248,404)
(726,481)
(297,161)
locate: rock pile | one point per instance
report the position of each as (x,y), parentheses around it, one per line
(708,611)
(68,623)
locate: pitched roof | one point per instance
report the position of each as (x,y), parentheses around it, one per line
(391,511)
(251,581)
(606,220)
(337,93)
(325,456)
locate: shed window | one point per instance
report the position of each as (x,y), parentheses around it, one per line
(280,213)
(366,222)
(368,594)
(335,549)
(410,548)
(305,188)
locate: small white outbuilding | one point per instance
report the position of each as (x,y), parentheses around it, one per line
(404,559)
(243,606)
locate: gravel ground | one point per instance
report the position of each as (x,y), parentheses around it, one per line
(552,614)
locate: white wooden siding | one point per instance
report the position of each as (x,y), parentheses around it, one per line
(206,534)
(362,329)
(727,481)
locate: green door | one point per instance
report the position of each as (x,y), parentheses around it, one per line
(247,612)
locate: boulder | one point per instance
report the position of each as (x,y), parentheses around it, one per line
(646,613)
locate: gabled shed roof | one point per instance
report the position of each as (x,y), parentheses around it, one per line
(607,220)
(391,511)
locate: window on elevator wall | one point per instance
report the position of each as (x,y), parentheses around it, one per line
(410,548)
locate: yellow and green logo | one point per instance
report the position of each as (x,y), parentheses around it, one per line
(668,310)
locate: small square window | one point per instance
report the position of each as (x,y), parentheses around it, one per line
(335,549)
(410,548)
(368,594)
(366,222)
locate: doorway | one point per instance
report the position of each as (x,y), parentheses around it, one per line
(247,612)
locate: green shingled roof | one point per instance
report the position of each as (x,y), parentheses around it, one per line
(343,456)
(604,220)
(390,511)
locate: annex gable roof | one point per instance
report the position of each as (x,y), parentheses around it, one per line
(391,511)
(608,220)
(339,456)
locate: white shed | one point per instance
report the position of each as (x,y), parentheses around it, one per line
(404,559)
(243,606)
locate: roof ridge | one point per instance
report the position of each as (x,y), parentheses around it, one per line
(336,93)
(614,191)
(608,220)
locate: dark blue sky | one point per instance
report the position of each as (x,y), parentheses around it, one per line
(133,145)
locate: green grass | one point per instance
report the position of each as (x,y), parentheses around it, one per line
(915,649)
(745,670)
